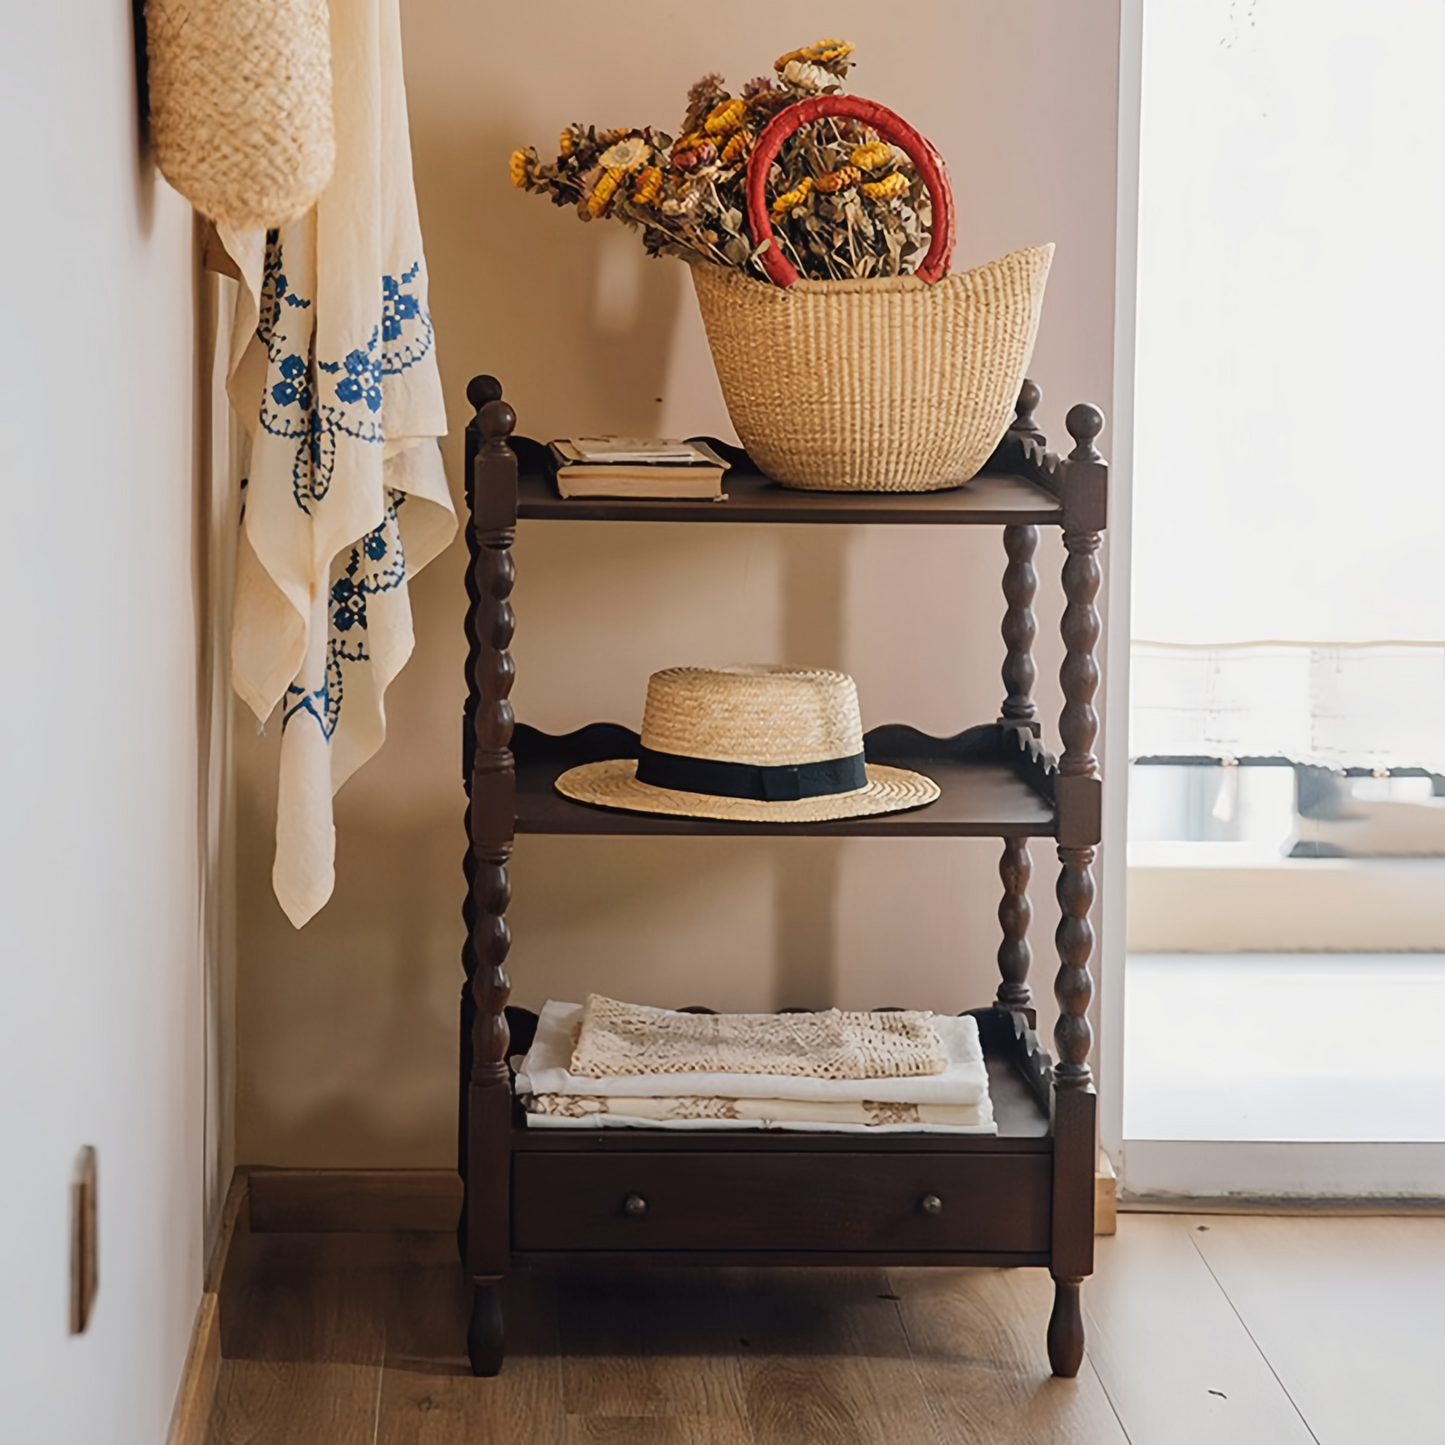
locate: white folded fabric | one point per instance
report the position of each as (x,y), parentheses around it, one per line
(789,1126)
(575,1111)
(545,1071)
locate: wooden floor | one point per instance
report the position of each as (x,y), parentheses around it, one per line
(1225,1330)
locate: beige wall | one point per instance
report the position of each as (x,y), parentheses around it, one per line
(347,1029)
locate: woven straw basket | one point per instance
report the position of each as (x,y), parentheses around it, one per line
(897,385)
(240,105)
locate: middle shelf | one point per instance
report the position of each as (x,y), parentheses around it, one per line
(997,782)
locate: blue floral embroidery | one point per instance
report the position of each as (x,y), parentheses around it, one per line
(406,331)
(296,404)
(324,704)
(315,402)
(376,564)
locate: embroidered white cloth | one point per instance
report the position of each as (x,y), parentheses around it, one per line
(571,1111)
(334,372)
(545,1070)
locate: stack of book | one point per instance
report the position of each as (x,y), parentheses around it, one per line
(637,467)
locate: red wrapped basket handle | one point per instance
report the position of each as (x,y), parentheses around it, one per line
(892,128)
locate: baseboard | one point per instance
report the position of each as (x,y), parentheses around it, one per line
(191,1414)
(359,1200)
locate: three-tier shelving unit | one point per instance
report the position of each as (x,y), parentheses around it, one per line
(657,1198)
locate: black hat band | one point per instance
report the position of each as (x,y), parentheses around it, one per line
(784,783)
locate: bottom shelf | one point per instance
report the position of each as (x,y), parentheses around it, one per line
(776,1197)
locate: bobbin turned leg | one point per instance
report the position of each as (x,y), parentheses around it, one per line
(1079,818)
(1020,585)
(1014,915)
(491,820)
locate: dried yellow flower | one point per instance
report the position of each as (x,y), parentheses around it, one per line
(736,148)
(820,53)
(804,75)
(791,200)
(519,169)
(840,179)
(565,142)
(725,117)
(626,155)
(889,188)
(649,186)
(689,142)
(602,193)
(872,155)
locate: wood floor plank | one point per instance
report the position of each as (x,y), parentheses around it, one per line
(429,1395)
(825,1359)
(1348,1312)
(978,1342)
(302,1339)
(275,1402)
(646,1430)
(306,1298)
(645,1343)
(1178,1366)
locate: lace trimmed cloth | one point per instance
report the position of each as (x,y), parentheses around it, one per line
(622,1039)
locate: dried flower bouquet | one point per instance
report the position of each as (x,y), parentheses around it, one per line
(846,204)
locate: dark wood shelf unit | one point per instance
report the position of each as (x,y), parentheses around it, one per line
(670,1198)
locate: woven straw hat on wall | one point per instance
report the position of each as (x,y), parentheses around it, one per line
(240,103)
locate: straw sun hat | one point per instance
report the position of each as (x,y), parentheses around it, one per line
(750,745)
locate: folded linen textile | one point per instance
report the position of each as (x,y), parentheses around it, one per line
(545,1070)
(620,1038)
(333,371)
(869,1115)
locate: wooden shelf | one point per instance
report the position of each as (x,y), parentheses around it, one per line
(990,499)
(993,785)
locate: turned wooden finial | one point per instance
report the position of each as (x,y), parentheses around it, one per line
(482,389)
(1028,403)
(1084,422)
(497,418)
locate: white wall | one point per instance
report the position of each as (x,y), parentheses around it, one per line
(347,1030)
(102,1029)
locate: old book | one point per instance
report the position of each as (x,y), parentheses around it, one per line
(637,467)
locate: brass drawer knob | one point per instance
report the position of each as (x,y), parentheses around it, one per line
(634,1206)
(932,1204)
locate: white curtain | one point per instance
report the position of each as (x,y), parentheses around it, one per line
(1336,707)
(1289,589)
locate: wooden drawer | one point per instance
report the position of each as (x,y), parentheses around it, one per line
(776,1201)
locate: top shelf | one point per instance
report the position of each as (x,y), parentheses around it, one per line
(990,499)
(1022,484)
